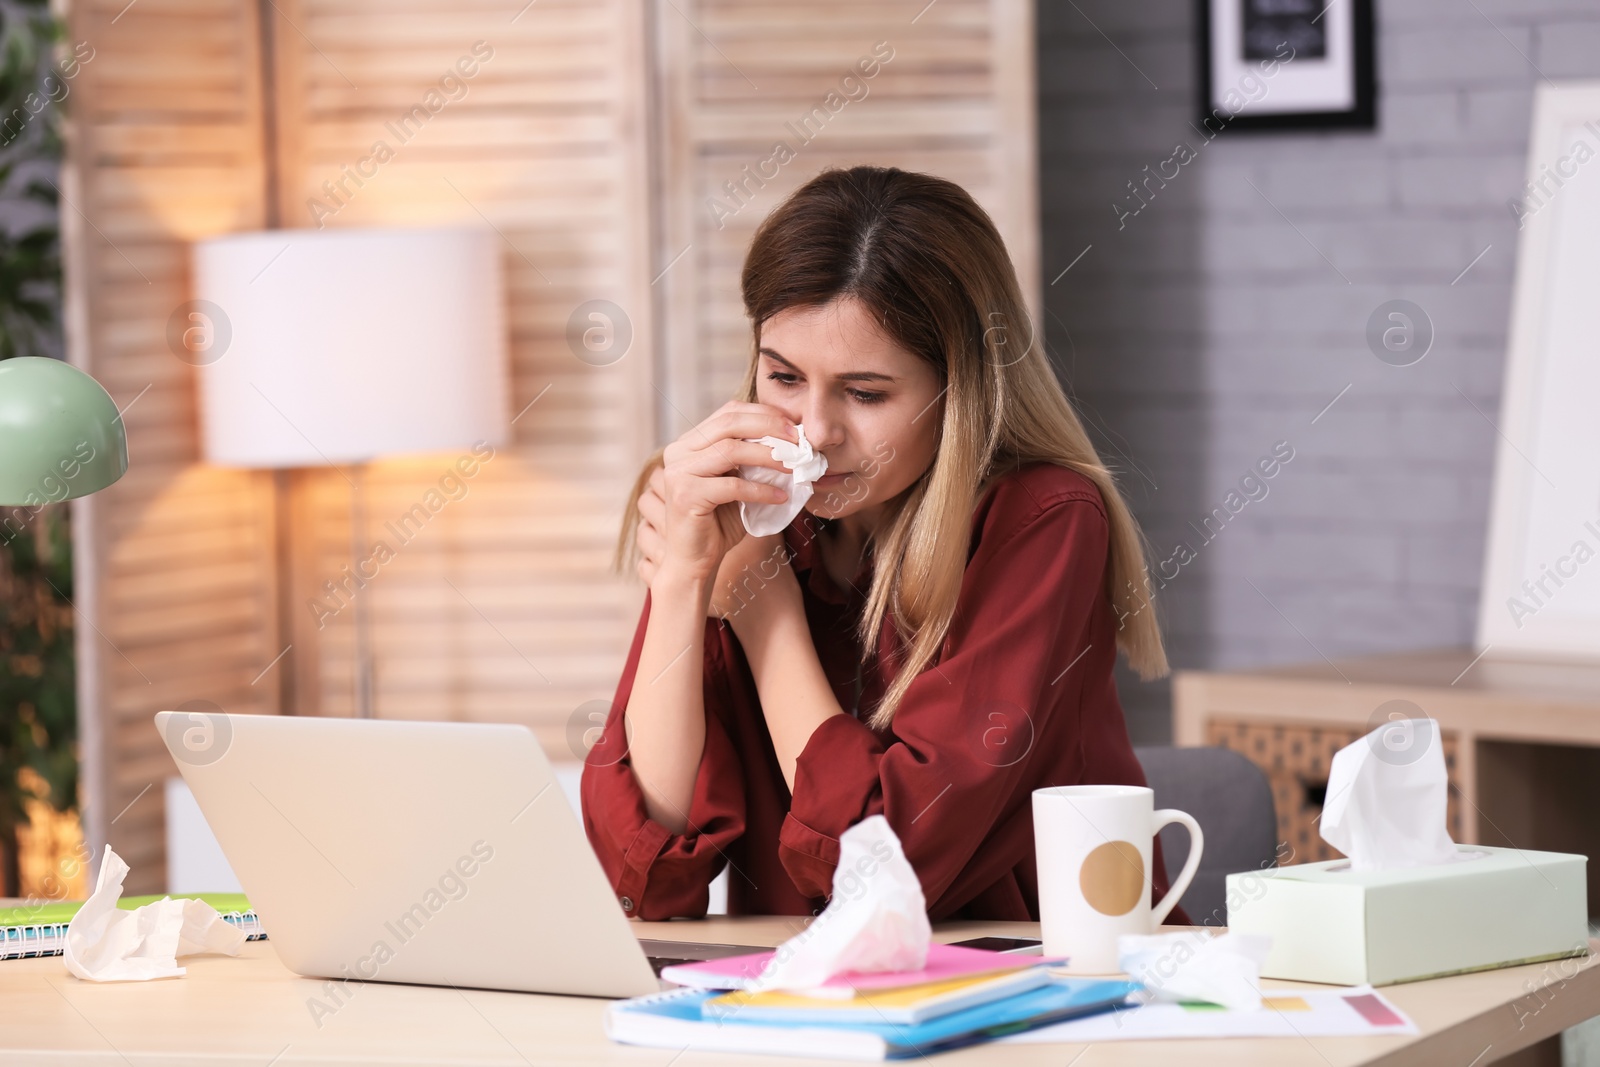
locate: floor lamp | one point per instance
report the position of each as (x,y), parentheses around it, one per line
(326,348)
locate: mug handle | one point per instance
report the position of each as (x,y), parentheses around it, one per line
(1197,841)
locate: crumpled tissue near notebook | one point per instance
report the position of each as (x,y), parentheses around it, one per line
(108,944)
(1220,969)
(805,465)
(1387,797)
(876,920)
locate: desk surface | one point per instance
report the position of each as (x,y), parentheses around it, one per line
(250,1010)
(1457,671)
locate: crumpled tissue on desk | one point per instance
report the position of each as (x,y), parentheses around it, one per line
(107,944)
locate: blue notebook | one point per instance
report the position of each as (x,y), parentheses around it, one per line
(673,1020)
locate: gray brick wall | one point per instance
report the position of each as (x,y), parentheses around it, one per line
(1231,311)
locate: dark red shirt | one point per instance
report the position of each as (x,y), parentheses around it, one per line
(1020,697)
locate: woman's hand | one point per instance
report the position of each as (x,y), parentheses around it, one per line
(689,513)
(753,558)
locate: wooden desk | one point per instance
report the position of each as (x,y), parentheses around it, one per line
(251,1011)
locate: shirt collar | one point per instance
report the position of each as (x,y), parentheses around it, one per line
(801,536)
(806,562)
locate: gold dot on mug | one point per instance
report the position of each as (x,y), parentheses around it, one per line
(1112,877)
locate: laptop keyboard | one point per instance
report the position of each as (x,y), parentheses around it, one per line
(669,953)
(659,963)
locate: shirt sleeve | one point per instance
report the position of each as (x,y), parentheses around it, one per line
(1023,614)
(658,874)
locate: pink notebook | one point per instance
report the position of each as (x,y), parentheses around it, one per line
(944,962)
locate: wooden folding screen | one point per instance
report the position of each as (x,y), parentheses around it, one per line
(528,121)
(174,562)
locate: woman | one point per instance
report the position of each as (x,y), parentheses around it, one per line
(931,638)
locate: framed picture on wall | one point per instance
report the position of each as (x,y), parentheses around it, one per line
(1286,64)
(1541,582)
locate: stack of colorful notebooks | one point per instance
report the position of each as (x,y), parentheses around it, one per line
(963,996)
(32,930)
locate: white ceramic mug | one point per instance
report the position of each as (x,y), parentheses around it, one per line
(1092,845)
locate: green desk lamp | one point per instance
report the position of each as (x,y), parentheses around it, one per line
(60,434)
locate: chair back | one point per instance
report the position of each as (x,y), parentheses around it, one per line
(1232,801)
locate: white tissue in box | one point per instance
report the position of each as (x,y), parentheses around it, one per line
(1331,924)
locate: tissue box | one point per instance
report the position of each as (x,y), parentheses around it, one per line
(1334,925)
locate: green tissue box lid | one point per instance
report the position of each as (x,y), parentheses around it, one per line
(1338,872)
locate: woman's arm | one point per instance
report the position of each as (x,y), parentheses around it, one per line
(656,873)
(795,695)
(684,533)
(666,715)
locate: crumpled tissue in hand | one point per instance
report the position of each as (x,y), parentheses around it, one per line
(1387,797)
(1223,969)
(877,919)
(805,466)
(108,944)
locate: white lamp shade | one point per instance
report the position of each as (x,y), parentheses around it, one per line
(335,346)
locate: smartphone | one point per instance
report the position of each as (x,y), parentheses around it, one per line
(1017,946)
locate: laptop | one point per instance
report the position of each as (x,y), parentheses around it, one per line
(422,852)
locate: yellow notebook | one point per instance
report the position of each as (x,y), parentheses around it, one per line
(905,1004)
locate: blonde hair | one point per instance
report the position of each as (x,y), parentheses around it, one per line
(927,262)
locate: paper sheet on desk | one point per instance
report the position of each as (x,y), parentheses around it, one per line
(108,944)
(1355,1012)
(1197,965)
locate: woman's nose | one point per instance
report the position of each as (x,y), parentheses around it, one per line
(823,428)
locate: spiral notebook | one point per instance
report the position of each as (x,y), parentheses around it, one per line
(676,1020)
(31,930)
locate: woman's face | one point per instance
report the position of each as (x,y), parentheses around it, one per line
(871,407)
